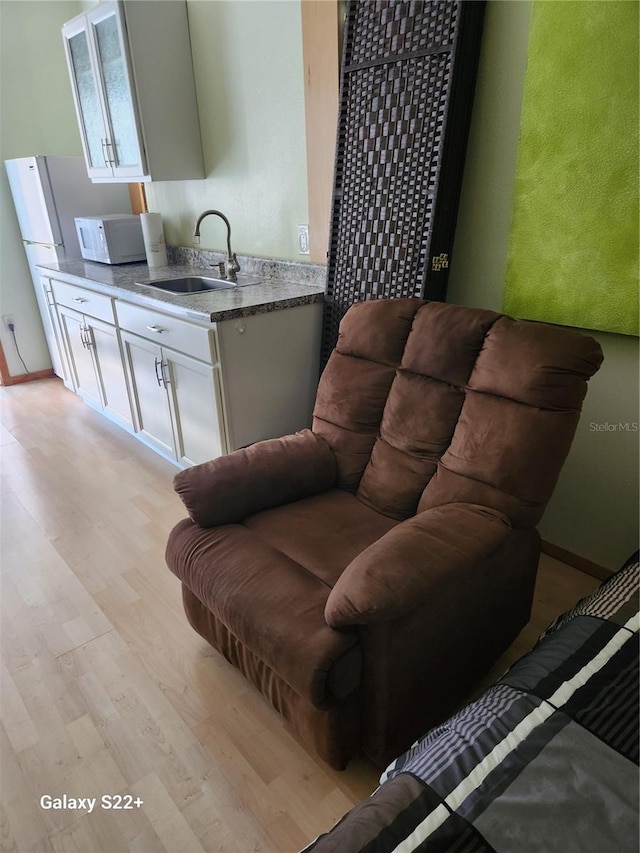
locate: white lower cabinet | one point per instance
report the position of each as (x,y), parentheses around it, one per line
(176,401)
(83,374)
(53,331)
(190,390)
(95,363)
(195,392)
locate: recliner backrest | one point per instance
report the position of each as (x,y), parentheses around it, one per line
(432,403)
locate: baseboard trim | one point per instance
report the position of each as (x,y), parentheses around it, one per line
(7,379)
(27,377)
(575,560)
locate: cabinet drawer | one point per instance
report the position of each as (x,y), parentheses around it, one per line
(87,301)
(180,335)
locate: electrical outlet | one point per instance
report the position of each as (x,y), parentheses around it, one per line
(8,321)
(303,239)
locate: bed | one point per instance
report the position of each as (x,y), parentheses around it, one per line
(545,760)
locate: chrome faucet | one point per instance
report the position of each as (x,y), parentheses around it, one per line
(233,267)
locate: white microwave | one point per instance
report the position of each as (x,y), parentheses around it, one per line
(112,239)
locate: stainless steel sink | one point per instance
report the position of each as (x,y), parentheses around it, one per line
(198,283)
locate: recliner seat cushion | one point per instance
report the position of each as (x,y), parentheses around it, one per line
(323,534)
(267,601)
(268,581)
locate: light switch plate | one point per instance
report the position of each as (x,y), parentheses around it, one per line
(303,239)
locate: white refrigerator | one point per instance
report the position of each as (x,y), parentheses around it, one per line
(48,193)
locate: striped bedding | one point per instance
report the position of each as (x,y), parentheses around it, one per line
(545,760)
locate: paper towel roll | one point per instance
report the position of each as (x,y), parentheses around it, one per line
(153,236)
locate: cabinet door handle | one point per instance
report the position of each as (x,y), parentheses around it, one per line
(112,158)
(159,379)
(157,329)
(87,341)
(165,381)
(108,158)
(77,299)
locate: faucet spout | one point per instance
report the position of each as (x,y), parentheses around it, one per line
(233,267)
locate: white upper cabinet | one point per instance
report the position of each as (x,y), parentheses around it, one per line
(137,112)
(101,78)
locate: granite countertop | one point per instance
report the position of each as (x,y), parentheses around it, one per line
(277,288)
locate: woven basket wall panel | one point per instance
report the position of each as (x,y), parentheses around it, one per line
(396,89)
(390,30)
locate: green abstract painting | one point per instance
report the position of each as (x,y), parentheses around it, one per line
(573,254)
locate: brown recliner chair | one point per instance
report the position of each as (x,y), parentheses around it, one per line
(364,574)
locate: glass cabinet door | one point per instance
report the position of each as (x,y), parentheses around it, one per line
(87,97)
(123,139)
(105,103)
(89,102)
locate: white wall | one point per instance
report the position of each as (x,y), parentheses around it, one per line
(249,78)
(594,510)
(37,117)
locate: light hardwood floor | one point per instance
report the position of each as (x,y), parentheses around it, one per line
(105,687)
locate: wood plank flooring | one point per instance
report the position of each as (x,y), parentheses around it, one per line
(105,687)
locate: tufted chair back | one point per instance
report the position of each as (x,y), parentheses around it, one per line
(426,404)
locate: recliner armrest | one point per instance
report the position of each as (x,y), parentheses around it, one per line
(400,570)
(263,475)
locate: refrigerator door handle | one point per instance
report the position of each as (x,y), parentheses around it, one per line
(46,245)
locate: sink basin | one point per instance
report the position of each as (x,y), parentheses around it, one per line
(197,283)
(189,284)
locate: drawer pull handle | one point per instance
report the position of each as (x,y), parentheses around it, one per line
(157,329)
(78,299)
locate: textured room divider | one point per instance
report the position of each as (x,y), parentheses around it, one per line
(407,80)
